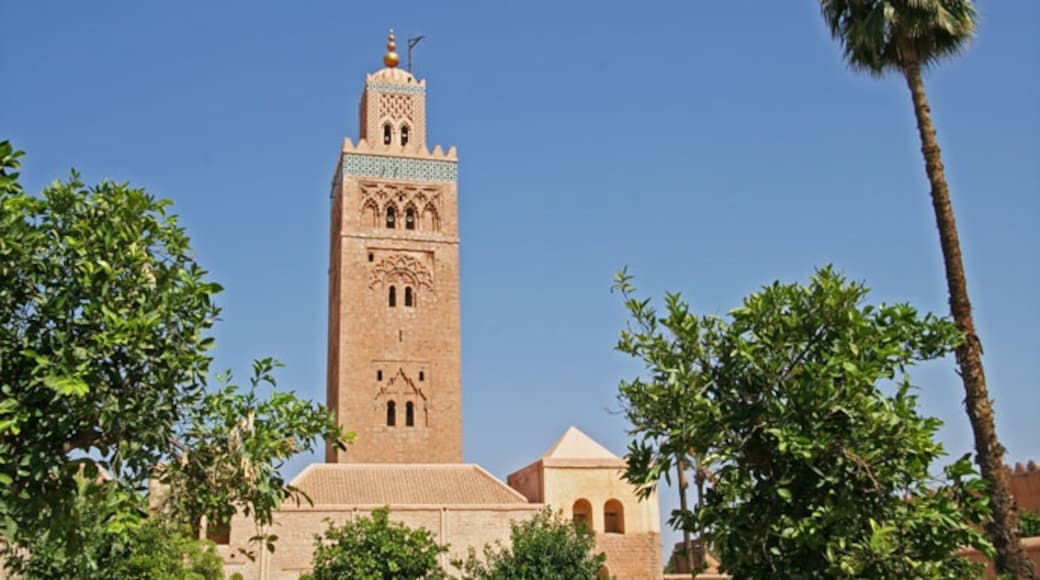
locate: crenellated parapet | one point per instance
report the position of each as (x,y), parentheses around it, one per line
(1024,481)
(364,146)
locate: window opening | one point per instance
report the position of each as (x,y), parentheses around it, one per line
(582,511)
(387,134)
(391,414)
(421,376)
(391,214)
(408,298)
(393,297)
(404,135)
(409,414)
(371,256)
(379,375)
(613,517)
(409,219)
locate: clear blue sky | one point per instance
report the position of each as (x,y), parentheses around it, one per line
(711,146)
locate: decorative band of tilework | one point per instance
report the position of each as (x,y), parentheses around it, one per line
(392,88)
(400,168)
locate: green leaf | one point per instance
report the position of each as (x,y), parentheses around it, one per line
(65,385)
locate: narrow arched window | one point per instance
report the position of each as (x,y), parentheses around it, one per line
(409,300)
(388,134)
(404,135)
(409,219)
(379,374)
(409,414)
(582,512)
(392,297)
(391,217)
(391,414)
(613,517)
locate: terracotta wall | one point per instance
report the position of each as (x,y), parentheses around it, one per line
(462,527)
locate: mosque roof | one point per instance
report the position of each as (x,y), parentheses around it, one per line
(403,484)
(576,449)
(577,445)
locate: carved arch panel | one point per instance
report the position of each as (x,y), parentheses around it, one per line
(401,268)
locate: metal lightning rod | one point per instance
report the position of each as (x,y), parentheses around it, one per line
(411,44)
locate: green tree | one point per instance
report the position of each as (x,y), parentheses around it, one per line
(103,363)
(817,472)
(546,547)
(375,548)
(115,539)
(903,36)
(228,456)
(103,315)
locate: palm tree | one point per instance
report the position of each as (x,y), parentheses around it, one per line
(906,36)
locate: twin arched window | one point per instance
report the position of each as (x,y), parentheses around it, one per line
(388,134)
(613,515)
(391,218)
(391,414)
(409,297)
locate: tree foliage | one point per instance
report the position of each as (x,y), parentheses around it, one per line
(104,315)
(817,472)
(229,454)
(547,547)
(115,539)
(376,548)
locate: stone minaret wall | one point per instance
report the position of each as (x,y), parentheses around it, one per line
(398,364)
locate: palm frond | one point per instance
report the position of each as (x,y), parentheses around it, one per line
(882,35)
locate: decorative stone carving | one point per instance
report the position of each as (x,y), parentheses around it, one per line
(424,202)
(400,267)
(435,170)
(395,107)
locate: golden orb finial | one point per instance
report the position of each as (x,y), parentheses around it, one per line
(391,59)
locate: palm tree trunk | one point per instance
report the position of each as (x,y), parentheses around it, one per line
(989,454)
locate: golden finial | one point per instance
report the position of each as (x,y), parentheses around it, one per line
(391,59)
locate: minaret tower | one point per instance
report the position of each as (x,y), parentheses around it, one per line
(394,375)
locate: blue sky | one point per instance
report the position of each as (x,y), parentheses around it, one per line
(709,147)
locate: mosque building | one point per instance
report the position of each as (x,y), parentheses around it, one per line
(394,373)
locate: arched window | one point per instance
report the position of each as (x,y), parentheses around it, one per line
(392,298)
(370,214)
(379,374)
(391,414)
(409,414)
(391,215)
(404,135)
(422,376)
(409,219)
(409,299)
(582,511)
(388,134)
(430,220)
(613,517)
